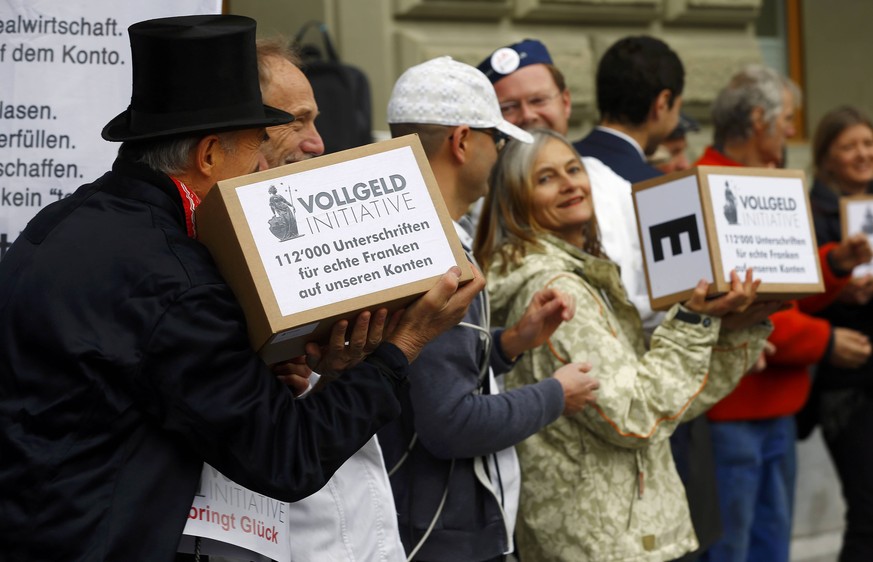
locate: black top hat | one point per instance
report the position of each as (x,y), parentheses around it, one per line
(193,74)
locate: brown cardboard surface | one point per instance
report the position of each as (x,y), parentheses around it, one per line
(701,174)
(224,229)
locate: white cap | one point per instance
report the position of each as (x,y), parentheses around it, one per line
(443,91)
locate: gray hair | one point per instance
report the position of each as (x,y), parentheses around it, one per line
(754,86)
(507,225)
(279,47)
(171,156)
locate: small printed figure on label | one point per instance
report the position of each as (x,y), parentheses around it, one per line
(867,227)
(283,223)
(730,205)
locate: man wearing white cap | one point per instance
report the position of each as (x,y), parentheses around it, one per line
(453,467)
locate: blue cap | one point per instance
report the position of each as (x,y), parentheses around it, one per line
(506,60)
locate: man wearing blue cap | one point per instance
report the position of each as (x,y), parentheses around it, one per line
(531,90)
(125,362)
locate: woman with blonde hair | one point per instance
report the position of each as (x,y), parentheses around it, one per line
(601,485)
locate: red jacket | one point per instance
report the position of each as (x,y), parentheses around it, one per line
(801,340)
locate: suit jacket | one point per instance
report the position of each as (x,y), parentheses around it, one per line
(618,154)
(125,364)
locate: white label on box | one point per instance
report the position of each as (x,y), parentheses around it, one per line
(674,237)
(345,230)
(859,218)
(762,222)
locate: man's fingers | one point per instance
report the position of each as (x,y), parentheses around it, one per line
(377,329)
(471,288)
(358,337)
(337,341)
(444,289)
(313,355)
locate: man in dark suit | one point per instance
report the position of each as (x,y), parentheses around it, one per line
(639,95)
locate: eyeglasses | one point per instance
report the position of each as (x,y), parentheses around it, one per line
(512,108)
(499,137)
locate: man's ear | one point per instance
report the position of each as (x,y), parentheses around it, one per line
(757,118)
(208,155)
(459,143)
(661,104)
(565,102)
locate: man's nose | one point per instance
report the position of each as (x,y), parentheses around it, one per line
(313,143)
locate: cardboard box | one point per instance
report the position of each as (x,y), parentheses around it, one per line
(856,215)
(308,244)
(703,222)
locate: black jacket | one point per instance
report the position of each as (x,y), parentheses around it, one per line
(825,204)
(124,365)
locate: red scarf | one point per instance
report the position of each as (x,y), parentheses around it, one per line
(189,203)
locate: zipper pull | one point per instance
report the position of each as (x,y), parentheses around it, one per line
(641,483)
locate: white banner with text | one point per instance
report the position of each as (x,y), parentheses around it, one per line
(65,72)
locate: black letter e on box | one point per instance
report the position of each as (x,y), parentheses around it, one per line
(672,229)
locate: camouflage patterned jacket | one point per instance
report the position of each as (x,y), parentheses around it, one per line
(601,485)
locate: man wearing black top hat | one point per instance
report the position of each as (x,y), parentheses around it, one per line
(124,359)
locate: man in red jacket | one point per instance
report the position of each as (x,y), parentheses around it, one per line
(753,429)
